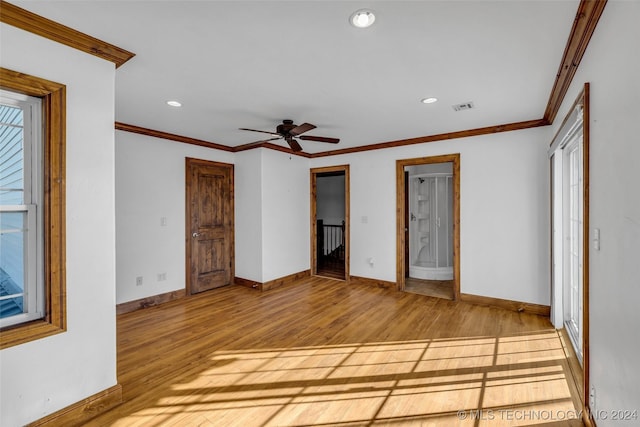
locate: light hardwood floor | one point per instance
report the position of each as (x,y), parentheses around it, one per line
(430,288)
(321,352)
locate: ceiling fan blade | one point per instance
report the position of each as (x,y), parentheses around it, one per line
(248,146)
(319,139)
(305,127)
(294,144)
(262,141)
(261,131)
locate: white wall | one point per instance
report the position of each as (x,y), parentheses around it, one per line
(271,213)
(150,185)
(330,199)
(504,212)
(43,376)
(248,205)
(612,65)
(285,214)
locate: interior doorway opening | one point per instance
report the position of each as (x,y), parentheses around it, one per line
(429,191)
(329,222)
(430,194)
(428,220)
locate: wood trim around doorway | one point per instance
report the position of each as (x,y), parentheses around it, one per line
(400,218)
(313,214)
(582,99)
(586,117)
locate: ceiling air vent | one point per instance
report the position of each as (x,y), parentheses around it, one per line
(464,106)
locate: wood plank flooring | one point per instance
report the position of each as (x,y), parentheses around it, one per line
(320,352)
(331,267)
(431,288)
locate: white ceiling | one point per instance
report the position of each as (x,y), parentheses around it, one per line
(250,64)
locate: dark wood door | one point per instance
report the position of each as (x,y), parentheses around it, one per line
(210,248)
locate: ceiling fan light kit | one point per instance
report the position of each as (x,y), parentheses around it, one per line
(362,18)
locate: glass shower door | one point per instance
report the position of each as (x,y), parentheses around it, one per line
(444,221)
(431,229)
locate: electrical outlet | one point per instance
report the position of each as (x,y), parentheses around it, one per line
(163,221)
(139,281)
(162,277)
(592,398)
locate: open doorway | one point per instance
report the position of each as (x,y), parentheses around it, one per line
(428,191)
(330,222)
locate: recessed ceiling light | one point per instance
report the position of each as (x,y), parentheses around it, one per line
(362,18)
(174,103)
(429,100)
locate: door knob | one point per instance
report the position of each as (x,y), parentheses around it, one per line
(196,235)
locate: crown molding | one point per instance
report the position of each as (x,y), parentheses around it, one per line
(170,136)
(15,16)
(438,137)
(400,143)
(584,25)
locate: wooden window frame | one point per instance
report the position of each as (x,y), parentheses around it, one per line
(53,97)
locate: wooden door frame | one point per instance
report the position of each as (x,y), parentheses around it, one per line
(581,99)
(314,172)
(401,214)
(585,244)
(189,162)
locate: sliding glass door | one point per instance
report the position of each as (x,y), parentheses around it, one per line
(574,239)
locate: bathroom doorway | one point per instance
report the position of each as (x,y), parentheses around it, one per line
(430,226)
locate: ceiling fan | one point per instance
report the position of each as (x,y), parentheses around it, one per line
(288,131)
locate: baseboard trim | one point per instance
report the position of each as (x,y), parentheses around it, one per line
(247,283)
(540,310)
(82,411)
(357,280)
(127,307)
(275,283)
(130,306)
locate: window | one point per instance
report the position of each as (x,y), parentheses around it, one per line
(32,208)
(573,226)
(21,287)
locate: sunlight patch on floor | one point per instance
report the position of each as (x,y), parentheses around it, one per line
(487,381)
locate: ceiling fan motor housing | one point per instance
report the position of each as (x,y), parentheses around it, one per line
(285,127)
